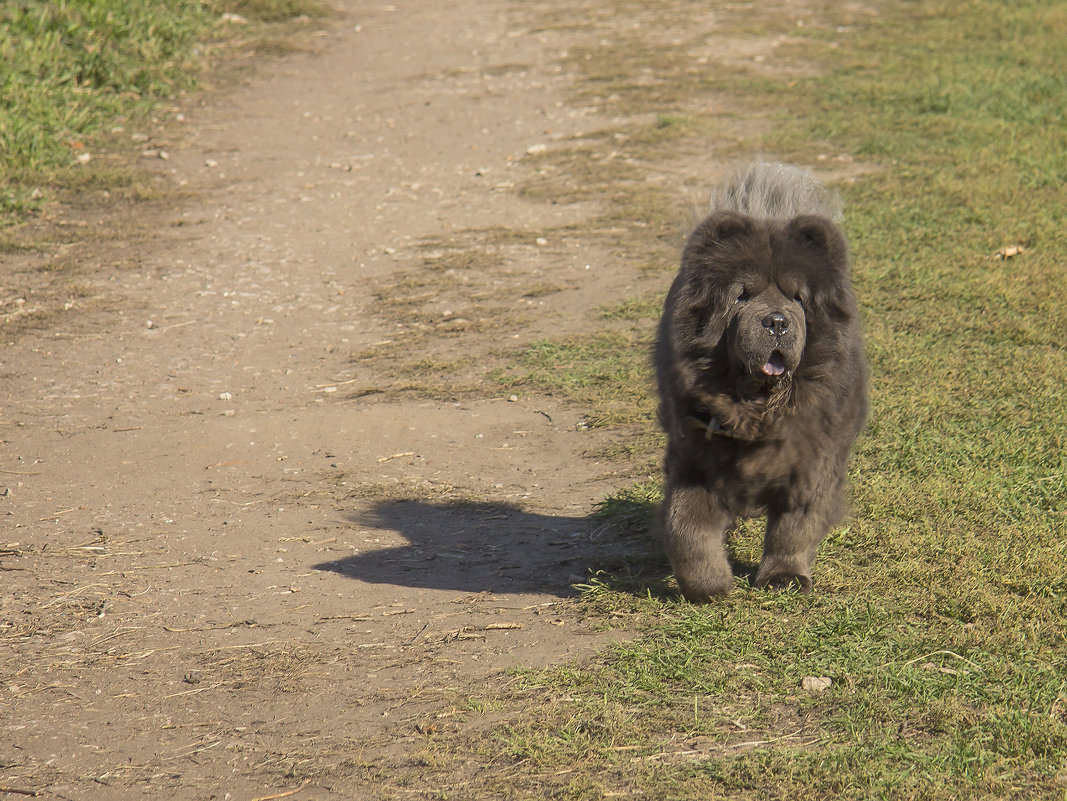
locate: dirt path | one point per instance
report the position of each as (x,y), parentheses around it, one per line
(208,589)
(266,522)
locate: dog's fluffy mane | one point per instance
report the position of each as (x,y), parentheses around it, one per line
(777,191)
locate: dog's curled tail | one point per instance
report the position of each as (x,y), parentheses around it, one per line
(766,189)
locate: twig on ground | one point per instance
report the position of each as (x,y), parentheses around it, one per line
(282,795)
(941,653)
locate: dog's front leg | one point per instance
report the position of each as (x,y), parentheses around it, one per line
(790,543)
(694,529)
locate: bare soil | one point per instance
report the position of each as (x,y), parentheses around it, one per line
(255,537)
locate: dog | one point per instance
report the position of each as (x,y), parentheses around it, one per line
(761,378)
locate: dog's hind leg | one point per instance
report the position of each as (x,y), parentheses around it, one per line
(694,529)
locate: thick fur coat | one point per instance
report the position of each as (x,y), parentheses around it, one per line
(761,378)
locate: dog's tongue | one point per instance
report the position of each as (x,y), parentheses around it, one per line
(775,365)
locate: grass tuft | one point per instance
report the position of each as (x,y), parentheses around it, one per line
(71,71)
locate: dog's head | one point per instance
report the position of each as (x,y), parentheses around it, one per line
(755,297)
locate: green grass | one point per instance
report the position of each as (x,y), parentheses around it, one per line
(940,606)
(606,373)
(915,709)
(72,70)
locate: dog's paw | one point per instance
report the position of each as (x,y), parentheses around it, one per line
(783,582)
(707,589)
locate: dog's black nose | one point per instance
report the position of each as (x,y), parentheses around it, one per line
(776,322)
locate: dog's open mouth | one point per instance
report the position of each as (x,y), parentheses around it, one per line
(775,365)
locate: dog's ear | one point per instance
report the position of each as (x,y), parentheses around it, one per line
(718,230)
(821,253)
(709,265)
(724,226)
(817,236)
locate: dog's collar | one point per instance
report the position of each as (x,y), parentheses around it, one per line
(711,426)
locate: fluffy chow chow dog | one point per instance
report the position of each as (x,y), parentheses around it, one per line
(761,378)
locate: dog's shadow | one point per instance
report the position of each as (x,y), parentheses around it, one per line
(470,546)
(474,547)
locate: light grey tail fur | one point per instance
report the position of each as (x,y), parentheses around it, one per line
(776,190)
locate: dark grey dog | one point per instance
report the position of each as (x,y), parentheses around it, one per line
(762,382)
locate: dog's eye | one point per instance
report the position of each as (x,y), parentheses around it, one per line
(798,299)
(744,295)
